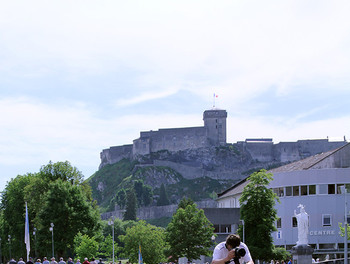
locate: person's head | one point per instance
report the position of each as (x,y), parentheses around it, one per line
(38,260)
(52,259)
(45,258)
(232,241)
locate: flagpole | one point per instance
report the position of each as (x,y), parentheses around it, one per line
(26,233)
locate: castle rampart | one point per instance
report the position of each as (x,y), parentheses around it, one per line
(115,154)
(213,133)
(172,139)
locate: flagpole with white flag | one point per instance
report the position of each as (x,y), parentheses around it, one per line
(26,233)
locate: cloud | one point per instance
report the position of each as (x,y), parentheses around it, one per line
(151,95)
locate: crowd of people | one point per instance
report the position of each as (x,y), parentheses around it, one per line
(53,261)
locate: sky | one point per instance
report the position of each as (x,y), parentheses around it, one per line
(77,77)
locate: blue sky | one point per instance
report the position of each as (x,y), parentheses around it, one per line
(78,77)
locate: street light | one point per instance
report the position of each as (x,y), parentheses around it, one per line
(53,247)
(9,239)
(34,234)
(242,221)
(343,190)
(111,222)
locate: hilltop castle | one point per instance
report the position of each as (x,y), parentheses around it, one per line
(213,133)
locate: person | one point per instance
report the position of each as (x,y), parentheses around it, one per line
(70,261)
(303,225)
(30,261)
(61,261)
(86,261)
(78,261)
(12,261)
(100,261)
(20,261)
(92,261)
(45,261)
(38,261)
(224,251)
(53,261)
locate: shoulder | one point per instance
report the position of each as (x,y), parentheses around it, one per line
(221,245)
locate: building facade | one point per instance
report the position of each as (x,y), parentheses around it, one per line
(316,183)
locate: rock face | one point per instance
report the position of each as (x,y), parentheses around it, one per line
(228,161)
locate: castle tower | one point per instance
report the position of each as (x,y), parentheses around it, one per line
(215,126)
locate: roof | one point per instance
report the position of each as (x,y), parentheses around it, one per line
(235,189)
(306,163)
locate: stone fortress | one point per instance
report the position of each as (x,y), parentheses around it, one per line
(213,133)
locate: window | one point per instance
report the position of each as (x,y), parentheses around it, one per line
(326,220)
(295,190)
(279,191)
(347,186)
(294,222)
(279,223)
(323,189)
(289,191)
(331,188)
(303,190)
(216,228)
(312,189)
(225,229)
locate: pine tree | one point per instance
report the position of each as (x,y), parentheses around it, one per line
(163,197)
(131,205)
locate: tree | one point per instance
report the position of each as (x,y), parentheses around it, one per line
(259,215)
(131,205)
(67,208)
(149,237)
(56,194)
(163,197)
(85,246)
(189,233)
(143,193)
(342,229)
(121,198)
(184,202)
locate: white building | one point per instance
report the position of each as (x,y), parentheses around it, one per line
(314,182)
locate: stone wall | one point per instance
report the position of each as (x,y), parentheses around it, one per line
(172,139)
(154,212)
(115,154)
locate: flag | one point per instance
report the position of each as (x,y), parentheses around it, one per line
(140,256)
(26,233)
(215,95)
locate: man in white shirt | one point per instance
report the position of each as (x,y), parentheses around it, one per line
(224,252)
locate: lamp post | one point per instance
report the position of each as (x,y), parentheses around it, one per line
(53,247)
(242,221)
(9,239)
(111,223)
(343,190)
(34,234)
